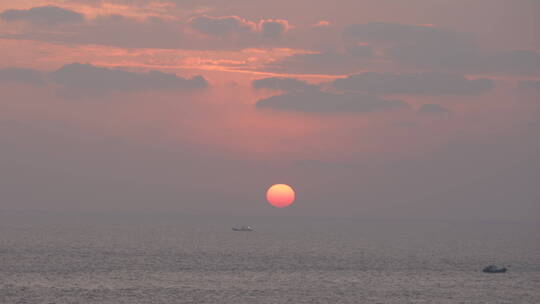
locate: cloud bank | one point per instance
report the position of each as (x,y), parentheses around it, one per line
(94,79)
(87,79)
(303,97)
(431,83)
(42,15)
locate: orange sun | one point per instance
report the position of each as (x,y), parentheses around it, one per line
(280,195)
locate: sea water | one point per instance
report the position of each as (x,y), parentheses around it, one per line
(119,258)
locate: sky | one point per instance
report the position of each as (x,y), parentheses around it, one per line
(368,108)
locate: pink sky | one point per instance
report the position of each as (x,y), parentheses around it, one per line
(424,108)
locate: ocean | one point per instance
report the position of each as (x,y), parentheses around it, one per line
(166,258)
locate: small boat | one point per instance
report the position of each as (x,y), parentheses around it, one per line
(242,228)
(494,269)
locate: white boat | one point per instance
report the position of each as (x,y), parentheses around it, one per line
(242,228)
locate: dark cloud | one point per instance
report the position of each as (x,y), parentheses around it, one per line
(188,4)
(433,109)
(379,46)
(238,31)
(85,79)
(282,84)
(197,33)
(273,28)
(425,47)
(222,26)
(422,45)
(429,47)
(18,75)
(43,15)
(301,96)
(315,101)
(97,80)
(115,30)
(415,83)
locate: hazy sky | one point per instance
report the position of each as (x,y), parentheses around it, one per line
(379,108)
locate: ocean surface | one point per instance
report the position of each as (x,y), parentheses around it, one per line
(103,258)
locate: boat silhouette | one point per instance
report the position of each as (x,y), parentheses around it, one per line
(242,228)
(494,269)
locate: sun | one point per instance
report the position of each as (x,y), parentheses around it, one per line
(280,195)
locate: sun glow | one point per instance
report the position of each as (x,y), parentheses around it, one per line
(280,195)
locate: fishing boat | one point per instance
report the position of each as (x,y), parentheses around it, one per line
(242,228)
(494,269)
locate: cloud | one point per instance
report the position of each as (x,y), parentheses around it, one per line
(329,62)
(282,84)
(322,23)
(43,15)
(273,28)
(414,43)
(375,46)
(301,96)
(222,26)
(526,62)
(378,46)
(429,83)
(242,31)
(198,33)
(19,75)
(433,109)
(430,47)
(316,101)
(86,79)
(97,80)
(114,30)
